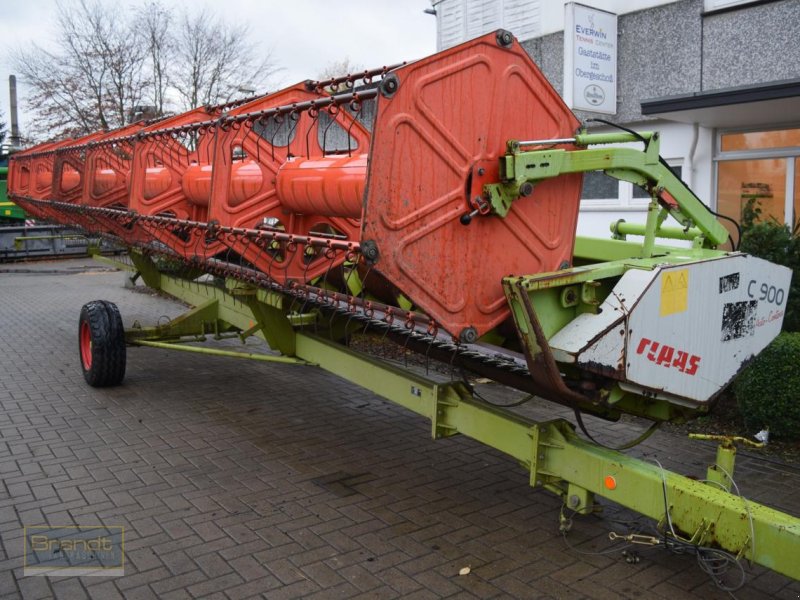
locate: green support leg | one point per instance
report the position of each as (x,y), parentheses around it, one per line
(243,307)
(198,321)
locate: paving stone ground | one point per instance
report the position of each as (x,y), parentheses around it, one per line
(237,479)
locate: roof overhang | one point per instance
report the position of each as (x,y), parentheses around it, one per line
(769,104)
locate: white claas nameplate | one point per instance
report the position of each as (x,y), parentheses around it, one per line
(680,332)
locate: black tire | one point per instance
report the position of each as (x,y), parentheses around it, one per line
(101,344)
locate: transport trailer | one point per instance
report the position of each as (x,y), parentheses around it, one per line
(22,238)
(22,242)
(435,203)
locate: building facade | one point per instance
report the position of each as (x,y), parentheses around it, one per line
(720,79)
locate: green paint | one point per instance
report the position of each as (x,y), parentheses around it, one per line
(641,167)
(8,210)
(218,352)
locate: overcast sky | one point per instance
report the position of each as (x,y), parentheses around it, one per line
(303,36)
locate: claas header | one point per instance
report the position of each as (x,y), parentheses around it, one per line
(435,203)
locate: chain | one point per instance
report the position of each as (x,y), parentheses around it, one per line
(408,324)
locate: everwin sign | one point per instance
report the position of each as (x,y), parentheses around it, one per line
(590,59)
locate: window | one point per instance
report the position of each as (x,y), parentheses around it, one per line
(599,186)
(602,192)
(760,166)
(759,140)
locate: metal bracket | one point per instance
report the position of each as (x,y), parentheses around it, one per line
(446,397)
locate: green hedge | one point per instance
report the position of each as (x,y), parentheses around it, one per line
(768,390)
(775,242)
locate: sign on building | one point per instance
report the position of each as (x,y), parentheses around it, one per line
(590,59)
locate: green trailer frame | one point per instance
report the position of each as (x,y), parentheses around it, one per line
(697,513)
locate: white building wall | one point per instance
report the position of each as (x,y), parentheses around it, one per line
(462,20)
(553,11)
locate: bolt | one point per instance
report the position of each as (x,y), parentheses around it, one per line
(390,85)
(469,335)
(526,189)
(574,501)
(504,38)
(481,171)
(370,251)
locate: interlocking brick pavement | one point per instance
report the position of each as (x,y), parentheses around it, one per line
(237,479)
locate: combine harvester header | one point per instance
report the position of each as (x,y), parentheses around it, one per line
(435,203)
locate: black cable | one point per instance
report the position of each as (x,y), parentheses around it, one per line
(735,224)
(475,393)
(636,134)
(712,561)
(734,244)
(634,442)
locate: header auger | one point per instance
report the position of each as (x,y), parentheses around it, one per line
(436,203)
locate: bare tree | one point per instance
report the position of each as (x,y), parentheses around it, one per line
(215,61)
(107,62)
(3,131)
(62,104)
(156,23)
(92,79)
(339,68)
(82,58)
(125,51)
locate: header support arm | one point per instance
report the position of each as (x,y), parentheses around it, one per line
(520,169)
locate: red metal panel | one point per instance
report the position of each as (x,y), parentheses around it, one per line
(244,191)
(108,167)
(159,151)
(452,114)
(162,155)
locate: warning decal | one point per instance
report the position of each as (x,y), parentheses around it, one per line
(674,291)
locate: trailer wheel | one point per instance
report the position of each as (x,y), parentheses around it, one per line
(101,344)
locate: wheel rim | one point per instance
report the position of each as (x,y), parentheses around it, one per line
(86,345)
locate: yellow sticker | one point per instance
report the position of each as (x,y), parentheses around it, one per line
(674,292)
